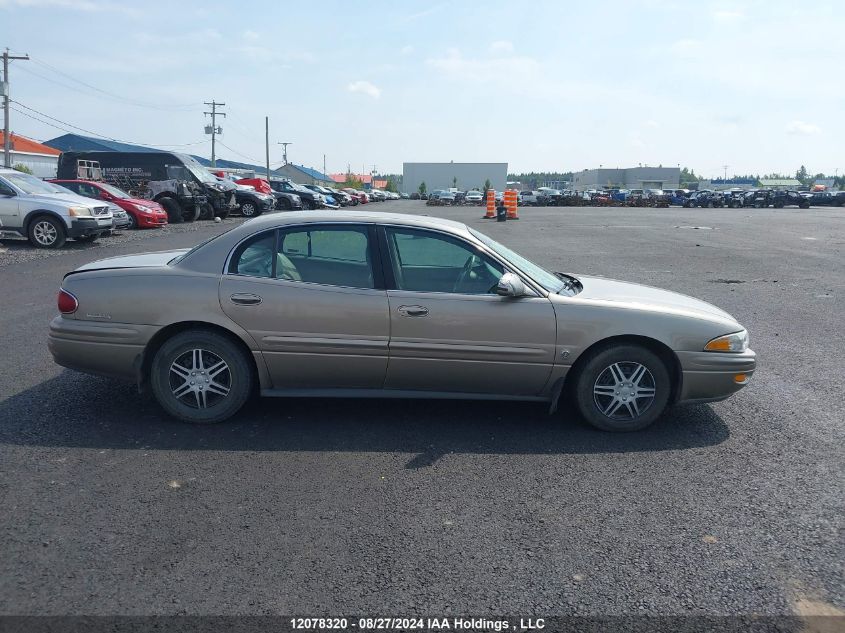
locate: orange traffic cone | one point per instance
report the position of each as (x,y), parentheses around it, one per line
(491,205)
(511,204)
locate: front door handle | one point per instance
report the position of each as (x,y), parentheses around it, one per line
(413,311)
(245,299)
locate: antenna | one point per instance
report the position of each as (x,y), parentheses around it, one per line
(285,151)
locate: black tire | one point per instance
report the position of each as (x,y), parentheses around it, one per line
(284,204)
(206,211)
(626,357)
(174,211)
(192,213)
(223,213)
(133,223)
(237,376)
(47,232)
(250,210)
(308,205)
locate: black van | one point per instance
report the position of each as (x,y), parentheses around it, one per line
(186,189)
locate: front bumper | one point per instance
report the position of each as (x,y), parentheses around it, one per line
(82,227)
(147,220)
(714,376)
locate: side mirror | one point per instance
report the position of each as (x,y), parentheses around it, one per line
(510,285)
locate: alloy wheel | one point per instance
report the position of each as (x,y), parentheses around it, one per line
(624,391)
(200,379)
(45,233)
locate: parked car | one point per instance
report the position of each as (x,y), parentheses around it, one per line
(361,196)
(120,220)
(285,200)
(252,203)
(37,210)
(474,197)
(404,196)
(310,199)
(759,198)
(343,198)
(305,304)
(415,195)
(329,200)
(838,199)
(531,198)
(781,199)
(141,213)
(376,195)
(185,189)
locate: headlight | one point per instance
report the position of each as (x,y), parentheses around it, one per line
(143,209)
(78,212)
(736,342)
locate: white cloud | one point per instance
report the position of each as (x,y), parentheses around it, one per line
(803,128)
(456,66)
(728,15)
(501,47)
(407,50)
(73,5)
(251,35)
(364,87)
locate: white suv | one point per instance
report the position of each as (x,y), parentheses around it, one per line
(38,210)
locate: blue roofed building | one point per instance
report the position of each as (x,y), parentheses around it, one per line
(304,175)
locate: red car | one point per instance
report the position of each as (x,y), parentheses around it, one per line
(359,195)
(142,213)
(261,185)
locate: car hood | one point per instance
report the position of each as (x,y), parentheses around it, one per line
(69,199)
(638,295)
(141,201)
(141,260)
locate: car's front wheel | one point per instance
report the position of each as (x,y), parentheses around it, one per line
(249,209)
(622,388)
(201,376)
(47,232)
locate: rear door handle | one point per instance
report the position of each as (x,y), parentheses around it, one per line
(245,299)
(413,311)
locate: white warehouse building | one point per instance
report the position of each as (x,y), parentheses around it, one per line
(464,176)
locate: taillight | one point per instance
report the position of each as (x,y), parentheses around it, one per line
(67,302)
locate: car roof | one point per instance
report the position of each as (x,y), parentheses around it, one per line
(331,215)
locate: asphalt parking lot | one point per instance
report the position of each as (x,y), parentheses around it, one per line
(397,507)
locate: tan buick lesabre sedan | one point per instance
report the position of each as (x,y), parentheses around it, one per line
(356,304)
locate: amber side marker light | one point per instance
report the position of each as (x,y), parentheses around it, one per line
(740,379)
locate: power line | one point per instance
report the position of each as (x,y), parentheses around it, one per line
(141,104)
(249,158)
(82,129)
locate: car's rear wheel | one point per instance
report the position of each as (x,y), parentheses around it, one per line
(206,211)
(622,388)
(284,204)
(174,211)
(200,376)
(47,232)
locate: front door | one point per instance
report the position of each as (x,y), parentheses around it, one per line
(9,208)
(450,331)
(311,299)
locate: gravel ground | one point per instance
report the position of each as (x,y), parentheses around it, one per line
(396,507)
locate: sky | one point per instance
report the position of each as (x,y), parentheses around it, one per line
(542,85)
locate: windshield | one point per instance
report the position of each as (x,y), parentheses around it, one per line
(31,184)
(201,173)
(549,281)
(117,193)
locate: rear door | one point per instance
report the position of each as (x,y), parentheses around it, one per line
(312,299)
(450,331)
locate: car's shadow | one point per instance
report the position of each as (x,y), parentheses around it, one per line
(74,410)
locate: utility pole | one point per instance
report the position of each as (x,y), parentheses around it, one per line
(324,163)
(7,141)
(373,178)
(214,129)
(725,167)
(267,144)
(285,151)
